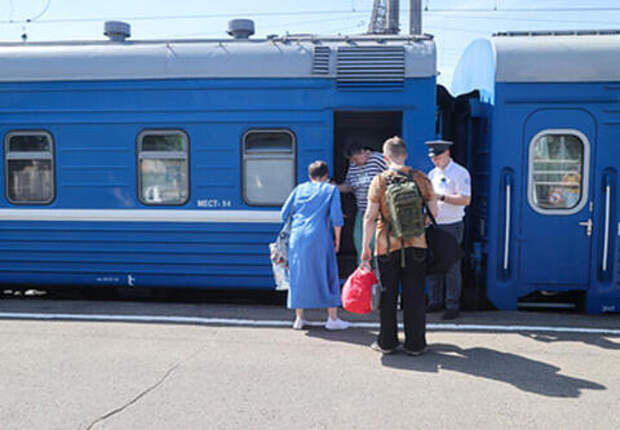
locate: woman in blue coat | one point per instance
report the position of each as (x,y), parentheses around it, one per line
(313,243)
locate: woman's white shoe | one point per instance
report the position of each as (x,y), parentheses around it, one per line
(336,324)
(299,324)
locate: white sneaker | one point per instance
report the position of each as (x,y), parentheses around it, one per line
(299,324)
(336,324)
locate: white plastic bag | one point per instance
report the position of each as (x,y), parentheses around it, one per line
(278,252)
(280,269)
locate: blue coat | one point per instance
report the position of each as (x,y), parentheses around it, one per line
(314,281)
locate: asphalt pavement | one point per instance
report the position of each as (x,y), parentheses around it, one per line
(156,365)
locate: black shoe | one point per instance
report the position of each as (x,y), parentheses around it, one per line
(450,314)
(385,351)
(416,353)
(433,308)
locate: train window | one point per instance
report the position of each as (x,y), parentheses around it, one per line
(163,167)
(558,171)
(268,166)
(29,161)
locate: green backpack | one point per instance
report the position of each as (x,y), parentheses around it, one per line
(405,207)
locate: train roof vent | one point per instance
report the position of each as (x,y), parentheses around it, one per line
(117,31)
(240,28)
(320,60)
(364,67)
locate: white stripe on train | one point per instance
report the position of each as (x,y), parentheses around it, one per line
(286,323)
(141,215)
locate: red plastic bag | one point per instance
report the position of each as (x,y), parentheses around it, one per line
(357,291)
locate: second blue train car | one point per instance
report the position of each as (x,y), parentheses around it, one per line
(544,157)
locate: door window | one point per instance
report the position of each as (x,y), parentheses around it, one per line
(558,171)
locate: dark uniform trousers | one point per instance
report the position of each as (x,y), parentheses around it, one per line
(447,286)
(411,278)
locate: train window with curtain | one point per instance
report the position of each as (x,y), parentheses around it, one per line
(268,166)
(163,167)
(558,171)
(29,167)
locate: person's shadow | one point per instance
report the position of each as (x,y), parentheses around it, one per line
(599,340)
(523,373)
(356,336)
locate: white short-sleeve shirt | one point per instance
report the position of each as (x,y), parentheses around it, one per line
(454,179)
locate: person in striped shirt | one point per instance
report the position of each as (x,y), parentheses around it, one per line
(364,165)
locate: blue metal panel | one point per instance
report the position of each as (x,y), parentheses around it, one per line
(95,125)
(604,293)
(103,253)
(563,262)
(536,259)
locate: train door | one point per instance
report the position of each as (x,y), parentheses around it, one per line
(556,217)
(370,129)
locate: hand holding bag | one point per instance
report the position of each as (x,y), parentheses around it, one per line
(278,251)
(357,294)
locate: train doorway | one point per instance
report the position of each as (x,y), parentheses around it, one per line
(559,169)
(370,129)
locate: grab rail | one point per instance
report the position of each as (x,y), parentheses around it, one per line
(606,225)
(508,179)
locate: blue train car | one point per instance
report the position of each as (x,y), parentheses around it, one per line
(165,163)
(544,219)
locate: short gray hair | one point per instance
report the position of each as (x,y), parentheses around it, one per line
(318,169)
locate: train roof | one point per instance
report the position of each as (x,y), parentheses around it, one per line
(557,56)
(537,57)
(347,57)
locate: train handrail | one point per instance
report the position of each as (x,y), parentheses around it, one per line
(507,226)
(606,225)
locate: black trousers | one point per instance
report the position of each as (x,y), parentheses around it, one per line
(411,279)
(449,284)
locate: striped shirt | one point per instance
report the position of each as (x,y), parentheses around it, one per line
(359,177)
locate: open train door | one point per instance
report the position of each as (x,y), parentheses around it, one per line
(370,129)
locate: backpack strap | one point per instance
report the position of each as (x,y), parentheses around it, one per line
(386,221)
(403,173)
(428,211)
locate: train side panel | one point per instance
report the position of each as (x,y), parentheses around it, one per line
(549,236)
(98,232)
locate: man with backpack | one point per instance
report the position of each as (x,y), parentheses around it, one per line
(397,198)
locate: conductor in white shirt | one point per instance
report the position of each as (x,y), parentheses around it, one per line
(452,185)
